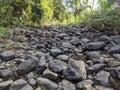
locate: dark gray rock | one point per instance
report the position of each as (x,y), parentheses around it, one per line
(26,87)
(84,84)
(46,84)
(102,78)
(96,68)
(57,65)
(5,73)
(5,85)
(75,71)
(75,41)
(114,50)
(7,55)
(26,66)
(50,75)
(116,39)
(105,39)
(93,55)
(95,46)
(55,52)
(41,65)
(20,84)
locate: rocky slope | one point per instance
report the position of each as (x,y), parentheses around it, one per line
(61,58)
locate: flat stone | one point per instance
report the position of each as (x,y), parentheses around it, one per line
(46,84)
(95,46)
(98,87)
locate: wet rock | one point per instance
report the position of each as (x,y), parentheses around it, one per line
(102,78)
(57,65)
(5,85)
(55,52)
(26,66)
(7,55)
(46,84)
(95,46)
(75,71)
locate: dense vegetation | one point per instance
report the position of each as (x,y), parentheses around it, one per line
(38,12)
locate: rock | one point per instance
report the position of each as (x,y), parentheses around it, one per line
(102,78)
(116,39)
(41,66)
(26,66)
(26,87)
(75,70)
(5,73)
(84,84)
(57,65)
(95,68)
(32,81)
(66,85)
(63,57)
(98,87)
(67,45)
(55,52)
(93,55)
(5,85)
(75,41)
(114,50)
(95,45)
(18,84)
(115,73)
(46,84)
(104,39)
(7,55)
(114,63)
(50,75)
(18,60)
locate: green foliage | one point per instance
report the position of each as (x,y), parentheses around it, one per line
(4,32)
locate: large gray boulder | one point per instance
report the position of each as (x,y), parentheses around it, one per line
(75,71)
